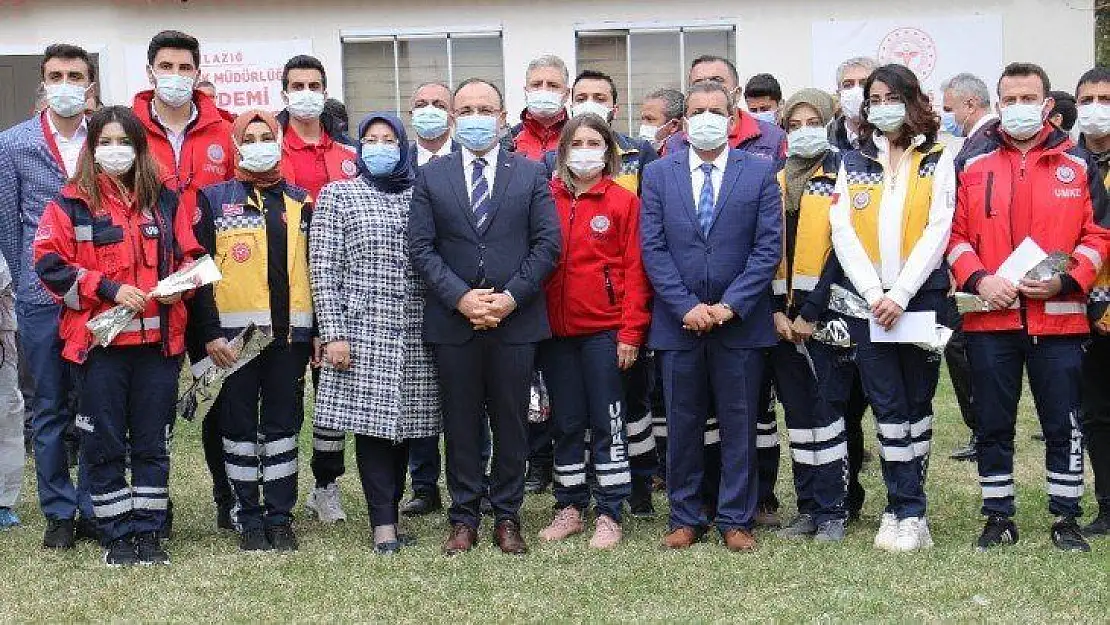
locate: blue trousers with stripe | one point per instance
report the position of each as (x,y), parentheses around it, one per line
(1054,365)
(126,409)
(262,418)
(587,393)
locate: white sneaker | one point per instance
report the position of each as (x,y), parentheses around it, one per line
(913,534)
(888,532)
(324,503)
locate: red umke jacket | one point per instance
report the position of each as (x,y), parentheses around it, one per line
(599,284)
(84,257)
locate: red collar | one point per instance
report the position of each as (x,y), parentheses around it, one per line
(745,129)
(597,190)
(540,129)
(296,142)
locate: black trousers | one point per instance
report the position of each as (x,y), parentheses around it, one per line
(381,468)
(1095,414)
(211,440)
(485,375)
(959,370)
(853,425)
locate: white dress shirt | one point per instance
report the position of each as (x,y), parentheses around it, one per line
(697,178)
(423,154)
(489,173)
(70,149)
(177,139)
(890,276)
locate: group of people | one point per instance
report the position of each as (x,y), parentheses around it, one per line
(564,303)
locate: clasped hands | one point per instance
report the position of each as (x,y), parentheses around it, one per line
(1000,293)
(704,317)
(484,308)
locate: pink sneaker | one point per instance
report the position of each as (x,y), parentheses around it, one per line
(567,523)
(607,533)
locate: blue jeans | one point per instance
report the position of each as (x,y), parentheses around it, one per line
(51,413)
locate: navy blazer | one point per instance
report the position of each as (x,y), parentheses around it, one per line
(513,251)
(734,264)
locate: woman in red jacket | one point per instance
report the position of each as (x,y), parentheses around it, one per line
(597,302)
(108,239)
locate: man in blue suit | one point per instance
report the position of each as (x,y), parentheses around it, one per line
(484,235)
(711,233)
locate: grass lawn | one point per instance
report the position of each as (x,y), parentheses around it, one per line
(336,577)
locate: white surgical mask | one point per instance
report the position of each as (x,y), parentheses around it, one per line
(66,99)
(259,157)
(850,102)
(707,131)
(887,117)
(807,141)
(115,159)
(1094,119)
(173,89)
(648,132)
(589,106)
(1023,121)
(543,103)
(305,104)
(586,162)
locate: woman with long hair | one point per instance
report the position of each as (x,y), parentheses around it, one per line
(107,240)
(256,228)
(379,377)
(891,217)
(597,304)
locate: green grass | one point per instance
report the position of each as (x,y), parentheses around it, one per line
(336,577)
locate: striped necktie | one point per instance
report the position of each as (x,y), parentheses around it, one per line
(479,192)
(705,201)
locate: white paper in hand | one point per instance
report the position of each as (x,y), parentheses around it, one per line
(911,327)
(1021,261)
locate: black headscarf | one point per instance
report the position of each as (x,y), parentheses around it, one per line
(402,176)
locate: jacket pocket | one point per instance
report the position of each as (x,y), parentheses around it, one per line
(107,240)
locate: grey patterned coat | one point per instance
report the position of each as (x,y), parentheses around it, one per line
(366,292)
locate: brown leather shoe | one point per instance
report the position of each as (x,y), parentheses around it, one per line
(460,540)
(680,538)
(739,540)
(507,536)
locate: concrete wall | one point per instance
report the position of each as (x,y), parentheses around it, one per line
(771,35)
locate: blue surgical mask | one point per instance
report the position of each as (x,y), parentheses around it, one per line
(381,158)
(429,122)
(887,117)
(707,131)
(766,116)
(807,141)
(949,124)
(1023,121)
(476,132)
(66,99)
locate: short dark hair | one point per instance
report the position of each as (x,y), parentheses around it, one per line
(920,118)
(1019,70)
(174,40)
(480,81)
(67,51)
(1065,107)
(713,58)
(591,74)
(763,86)
(338,111)
(709,86)
(302,61)
(1092,76)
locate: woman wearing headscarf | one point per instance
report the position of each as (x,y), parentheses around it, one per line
(810,375)
(379,377)
(256,228)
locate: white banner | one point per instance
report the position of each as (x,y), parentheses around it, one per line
(935,49)
(247,75)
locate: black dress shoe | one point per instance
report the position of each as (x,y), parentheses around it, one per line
(254,539)
(537,479)
(965,453)
(282,537)
(59,534)
(1100,526)
(85,529)
(422,503)
(387,548)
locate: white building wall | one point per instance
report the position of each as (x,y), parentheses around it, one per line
(772,35)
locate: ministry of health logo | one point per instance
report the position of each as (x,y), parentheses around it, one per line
(911,47)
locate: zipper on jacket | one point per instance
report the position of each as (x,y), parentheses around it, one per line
(566,274)
(137,253)
(990,191)
(609,286)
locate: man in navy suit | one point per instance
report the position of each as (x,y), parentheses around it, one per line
(484,235)
(711,233)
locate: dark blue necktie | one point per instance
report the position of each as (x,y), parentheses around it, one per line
(479,192)
(705,201)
